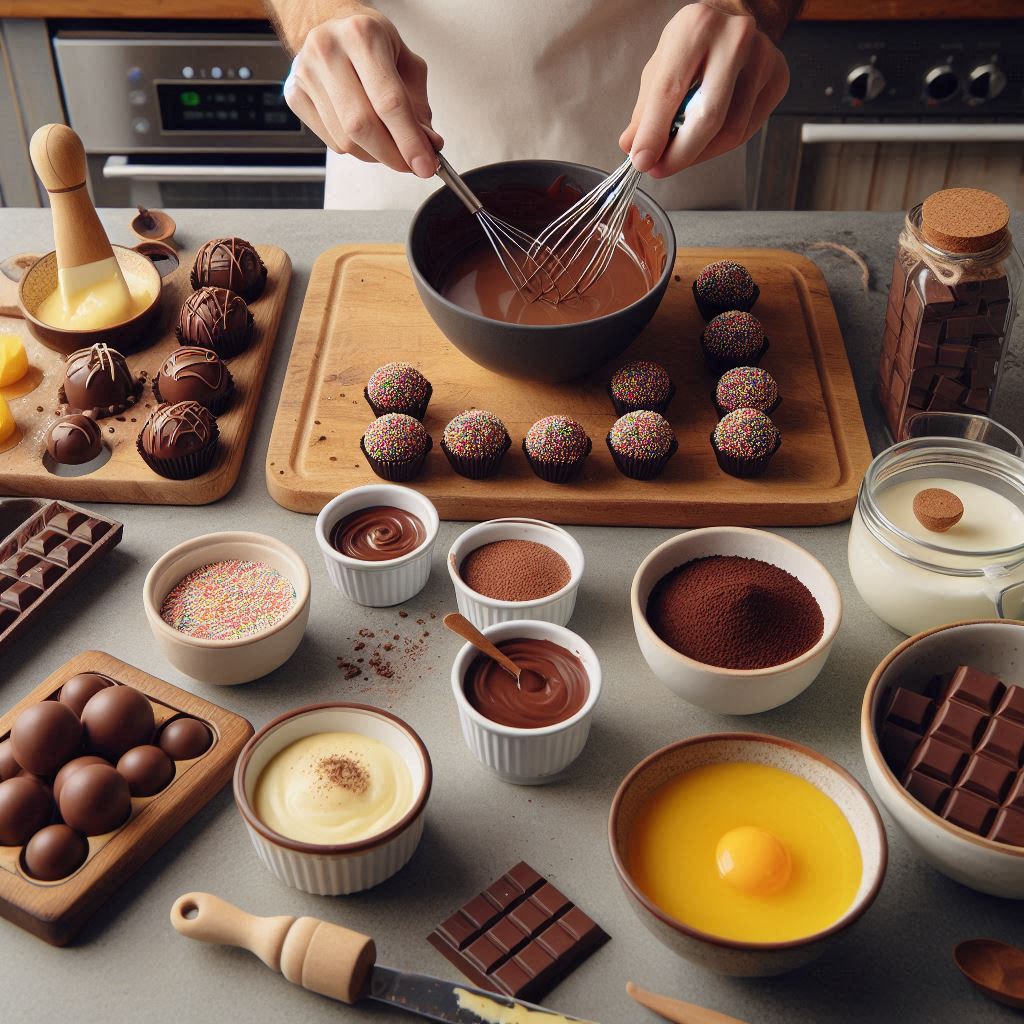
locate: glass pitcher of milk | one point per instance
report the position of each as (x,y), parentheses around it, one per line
(916,579)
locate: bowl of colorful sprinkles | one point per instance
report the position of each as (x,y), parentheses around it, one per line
(227,608)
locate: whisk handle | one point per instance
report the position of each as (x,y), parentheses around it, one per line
(677,121)
(453,180)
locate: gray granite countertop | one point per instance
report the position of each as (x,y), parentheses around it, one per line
(129,965)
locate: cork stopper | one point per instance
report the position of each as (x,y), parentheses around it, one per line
(937,509)
(964,219)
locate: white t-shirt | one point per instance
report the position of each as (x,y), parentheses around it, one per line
(520,79)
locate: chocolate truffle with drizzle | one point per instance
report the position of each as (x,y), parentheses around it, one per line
(231,263)
(217,319)
(98,380)
(194,374)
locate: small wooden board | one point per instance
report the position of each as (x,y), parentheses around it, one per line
(56,911)
(361,310)
(125,477)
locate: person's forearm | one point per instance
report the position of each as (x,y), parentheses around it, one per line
(293,19)
(772,16)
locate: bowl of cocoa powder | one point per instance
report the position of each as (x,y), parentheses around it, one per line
(734,620)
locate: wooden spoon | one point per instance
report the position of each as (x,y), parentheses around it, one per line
(993,967)
(676,1010)
(461,626)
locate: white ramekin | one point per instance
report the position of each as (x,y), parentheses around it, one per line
(334,870)
(486,611)
(378,584)
(227,662)
(527,757)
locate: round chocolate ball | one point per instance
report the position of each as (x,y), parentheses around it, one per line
(74,440)
(25,807)
(78,689)
(147,768)
(95,800)
(70,768)
(98,380)
(55,852)
(231,263)
(9,766)
(184,738)
(194,374)
(46,736)
(117,719)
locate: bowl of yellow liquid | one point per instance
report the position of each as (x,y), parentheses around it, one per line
(744,853)
(67,330)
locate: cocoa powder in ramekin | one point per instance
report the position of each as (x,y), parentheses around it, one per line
(515,570)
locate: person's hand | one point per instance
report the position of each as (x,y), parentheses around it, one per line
(743,77)
(364,92)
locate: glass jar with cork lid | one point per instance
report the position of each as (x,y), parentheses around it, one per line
(953,300)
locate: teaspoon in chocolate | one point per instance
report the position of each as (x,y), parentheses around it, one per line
(993,967)
(461,626)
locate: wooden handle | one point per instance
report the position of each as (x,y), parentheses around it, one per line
(58,157)
(324,958)
(461,626)
(676,1010)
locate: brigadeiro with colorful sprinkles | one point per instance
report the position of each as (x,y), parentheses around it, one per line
(641,443)
(556,448)
(475,442)
(396,446)
(746,387)
(733,339)
(744,442)
(398,387)
(641,385)
(722,286)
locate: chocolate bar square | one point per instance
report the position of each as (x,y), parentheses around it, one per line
(19,595)
(1012,704)
(67,519)
(1008,827)
(897,745)
(972,686)
(43,574)
(938,759)
(43,543)
(927,790)
(91,530)
(969,811)
(1003,740)
(989,779)
(910,710)
(959,724)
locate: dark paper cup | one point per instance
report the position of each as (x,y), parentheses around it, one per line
(416,411)
(557,472)
(184,467)
(398,472)
(741,467)
(641,469)
(479,467)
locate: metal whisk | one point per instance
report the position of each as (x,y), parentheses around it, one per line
(529,265)
(575,249)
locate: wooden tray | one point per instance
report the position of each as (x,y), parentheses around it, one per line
(125,477)
(56,911)
(361,310)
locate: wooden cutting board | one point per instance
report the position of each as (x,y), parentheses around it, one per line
(125,477)
(361,310)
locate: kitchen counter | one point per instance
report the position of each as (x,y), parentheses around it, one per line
(129,965)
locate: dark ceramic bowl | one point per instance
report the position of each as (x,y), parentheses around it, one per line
(442,227)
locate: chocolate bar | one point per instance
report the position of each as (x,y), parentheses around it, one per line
(958,748)
(40,559)
(519,937)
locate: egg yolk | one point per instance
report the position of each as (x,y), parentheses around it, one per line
(13,360)
(753,860)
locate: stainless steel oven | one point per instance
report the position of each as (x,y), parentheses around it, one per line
(188,120)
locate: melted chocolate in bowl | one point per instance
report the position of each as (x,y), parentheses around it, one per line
(553,685)
(378,533)
(476,280)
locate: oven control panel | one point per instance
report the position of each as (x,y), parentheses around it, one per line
(154,92)
(906,69)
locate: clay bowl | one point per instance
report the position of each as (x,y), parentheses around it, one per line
(442,227)
(41,280)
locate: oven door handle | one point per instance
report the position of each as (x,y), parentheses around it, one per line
(119,167)
(817,132)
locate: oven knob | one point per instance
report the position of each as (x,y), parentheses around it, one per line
(216,72)
(188,71)
(985,82)
(864,83)
(140,125)
(244,72)
(941,83)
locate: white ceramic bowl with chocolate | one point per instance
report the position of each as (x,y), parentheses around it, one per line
(725,688)
(541,586)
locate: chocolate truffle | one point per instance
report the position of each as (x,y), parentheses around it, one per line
(744,441)
(9,766)
(746,387)
(179,441)
(55,852)
(74,440)
(722,286)
(96,799)
(216,319)
(147,769)
(117,719)
(78,689)
(556,447)
(25,807)
(185,738)
(398,387)
(193,374)
(396,446)
(231,263)
(475,442)
(98,380)
(70,768)
(641,444)
(733,339)
(641,385)
(46,736)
